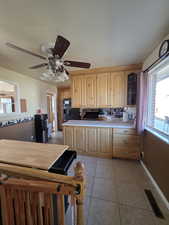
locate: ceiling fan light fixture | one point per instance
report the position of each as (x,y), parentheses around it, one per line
(54,64)
(54,76)
(46,75)
(65,75)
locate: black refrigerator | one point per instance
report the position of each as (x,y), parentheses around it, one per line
(70,113)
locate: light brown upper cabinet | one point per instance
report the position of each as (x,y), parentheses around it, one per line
(89,91)
(117,89)
(101,89)
(103,93)
(77,83)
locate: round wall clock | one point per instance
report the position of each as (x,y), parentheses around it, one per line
(164,48)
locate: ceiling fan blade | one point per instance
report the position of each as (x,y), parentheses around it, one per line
(77,64)
(38,66)
(66,71)
(25,51)
(61,45)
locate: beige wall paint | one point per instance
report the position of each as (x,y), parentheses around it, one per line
(34,91)
(154,55)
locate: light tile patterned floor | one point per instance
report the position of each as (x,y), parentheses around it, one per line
(115,192)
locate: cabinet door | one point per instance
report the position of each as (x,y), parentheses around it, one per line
(126,146)
(105,141)
(103,81)
(131,87)
(91,140)
(117,89)
(79,138)
(89,91)
(77,91)
(68,136)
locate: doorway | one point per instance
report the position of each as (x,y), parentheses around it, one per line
(51,111)
(63,93)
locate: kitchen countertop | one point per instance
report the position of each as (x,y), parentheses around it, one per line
(115,123)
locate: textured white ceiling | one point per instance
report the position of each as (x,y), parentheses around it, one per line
(102,32)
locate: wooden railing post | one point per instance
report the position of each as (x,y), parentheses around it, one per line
(79,171)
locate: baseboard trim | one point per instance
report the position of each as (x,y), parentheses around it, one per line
(156,185)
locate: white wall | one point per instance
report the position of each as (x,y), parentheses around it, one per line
(154,55)
(34,91)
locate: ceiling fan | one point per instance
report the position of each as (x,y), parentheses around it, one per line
(55,64)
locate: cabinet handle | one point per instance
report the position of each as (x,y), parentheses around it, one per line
(125,131)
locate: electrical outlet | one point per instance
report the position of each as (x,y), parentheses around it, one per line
(142,155)
(32,138)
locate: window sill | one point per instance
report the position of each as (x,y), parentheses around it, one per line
(157,134)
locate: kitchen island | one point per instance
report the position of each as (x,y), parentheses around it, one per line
(108,139)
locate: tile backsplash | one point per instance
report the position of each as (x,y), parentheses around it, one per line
(115,112)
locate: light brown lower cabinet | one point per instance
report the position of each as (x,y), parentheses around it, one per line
(103,142)
(126,143)
(68,136)
(92,141)
(79,136)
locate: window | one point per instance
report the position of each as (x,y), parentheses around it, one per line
(7,97)
(158,98)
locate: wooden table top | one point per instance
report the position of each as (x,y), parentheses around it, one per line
(30,154)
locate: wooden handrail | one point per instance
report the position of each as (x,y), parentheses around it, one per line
(26,195)
(39,185)
(19,171)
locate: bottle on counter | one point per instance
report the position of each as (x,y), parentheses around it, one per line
(125,115)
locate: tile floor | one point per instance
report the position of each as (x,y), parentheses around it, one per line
(57,138)
(115,193)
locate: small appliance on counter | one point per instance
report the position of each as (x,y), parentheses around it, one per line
(110,113)
(129,114)
(118,112)
(125,117)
